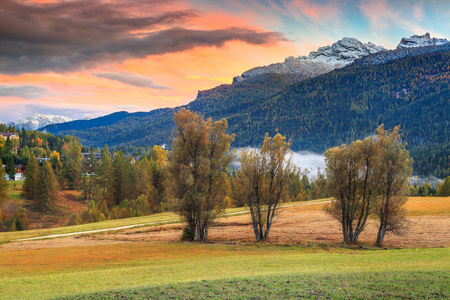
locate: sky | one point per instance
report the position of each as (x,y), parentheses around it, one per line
(79,58)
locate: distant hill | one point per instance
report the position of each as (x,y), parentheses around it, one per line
(92,123)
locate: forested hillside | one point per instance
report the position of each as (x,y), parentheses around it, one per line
(318,113)
(155,127)
(351,102)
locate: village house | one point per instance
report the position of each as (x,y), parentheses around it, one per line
(20,173)
(42,159)
(14,137)
(11,135)
(87,156)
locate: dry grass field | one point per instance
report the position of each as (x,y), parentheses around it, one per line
(428,226)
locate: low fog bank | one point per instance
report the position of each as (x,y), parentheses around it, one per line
(304,159)
(419,180)
(312,162)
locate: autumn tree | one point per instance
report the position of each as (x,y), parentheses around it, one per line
(197,179)
(144,182)
(368,178)
(443,189)
(46,191)
(121,182)
(105,178)
(263,181)
(72,164)
(353,177)
(396,168)
(218,184)
(25,156)
(158,154)
(55,161)
(31,178)
(157,159)
(20,218)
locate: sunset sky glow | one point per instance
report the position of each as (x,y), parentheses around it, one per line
(85,57)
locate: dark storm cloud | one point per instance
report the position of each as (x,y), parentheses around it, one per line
(29,92)
(71,35)
(132,79)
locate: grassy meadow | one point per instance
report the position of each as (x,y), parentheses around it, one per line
(53,272)
(15,190)
(118,269)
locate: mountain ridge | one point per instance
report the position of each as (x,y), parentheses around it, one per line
(321,61)
(38,121)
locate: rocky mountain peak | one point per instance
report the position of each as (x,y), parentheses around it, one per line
(319,62)
(421,41)
(38,121)
(344,51)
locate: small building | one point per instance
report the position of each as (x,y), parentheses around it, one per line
(87,156)
(20,173)
(42,159)
(10,135)
(16,177)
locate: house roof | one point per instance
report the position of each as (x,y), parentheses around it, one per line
(6,134)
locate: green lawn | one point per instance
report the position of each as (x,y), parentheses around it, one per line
(359,285)
(149,268)
(15,190)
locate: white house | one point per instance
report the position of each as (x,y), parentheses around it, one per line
(16,177)
(20,173)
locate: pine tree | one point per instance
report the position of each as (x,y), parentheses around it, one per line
(46,191)
(105,180)
(120,179)
(3,186)
(72,165)
(25,157)
(10,168)
(144,182)
(31,178)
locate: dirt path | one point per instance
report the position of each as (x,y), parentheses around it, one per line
(142,225)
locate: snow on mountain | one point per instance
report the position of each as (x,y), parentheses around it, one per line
(38,121)
(420,41)
(343,52)
(319,62)
(87,118)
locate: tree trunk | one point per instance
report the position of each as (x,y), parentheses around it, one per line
(380,235)
(199,231)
